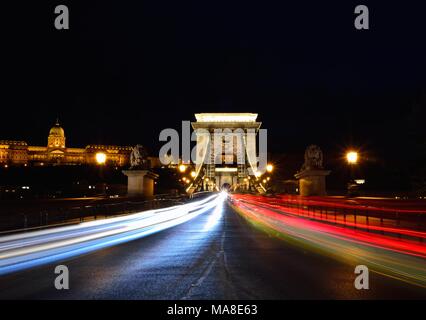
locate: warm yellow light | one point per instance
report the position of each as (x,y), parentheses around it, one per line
(269,167)
(268,178)
(352,157)
(100,158)
(182,168)
(193,174)
(207,179)
(264,180)
(226,117)
(257,174)
(226,169)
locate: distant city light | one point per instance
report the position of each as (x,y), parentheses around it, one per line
(100,158)
(182,168)
(352,157)
(359,181)
(269,167)
(193,174)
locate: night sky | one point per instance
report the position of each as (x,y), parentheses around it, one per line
(127,69)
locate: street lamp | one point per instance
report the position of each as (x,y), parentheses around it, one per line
(193,174)
(101,158)
(269,167)
(182,168)
(352,157)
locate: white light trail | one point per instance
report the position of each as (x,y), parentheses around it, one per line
(30,249)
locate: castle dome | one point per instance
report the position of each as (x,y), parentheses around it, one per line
(56,138)
(57,130)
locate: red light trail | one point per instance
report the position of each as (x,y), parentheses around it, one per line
(390,255)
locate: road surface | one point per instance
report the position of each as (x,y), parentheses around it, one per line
(216,255)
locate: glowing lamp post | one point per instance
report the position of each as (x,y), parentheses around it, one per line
(352,160)
(352,157)
(269,168)
(101,158)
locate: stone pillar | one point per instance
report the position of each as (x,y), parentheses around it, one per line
(312,182)
(140,182)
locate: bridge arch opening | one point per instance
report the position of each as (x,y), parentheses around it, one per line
(226,186)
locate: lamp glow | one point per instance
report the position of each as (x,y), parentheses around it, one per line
(100,158)
(352,157)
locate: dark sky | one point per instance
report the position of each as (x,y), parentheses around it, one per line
(127,69)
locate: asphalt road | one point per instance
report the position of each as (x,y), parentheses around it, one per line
(216,255)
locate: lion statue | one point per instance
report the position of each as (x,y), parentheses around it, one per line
(138,158)
(313,158)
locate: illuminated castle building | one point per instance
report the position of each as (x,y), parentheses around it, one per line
(56,152)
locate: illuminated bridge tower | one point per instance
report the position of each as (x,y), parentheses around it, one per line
(225,152)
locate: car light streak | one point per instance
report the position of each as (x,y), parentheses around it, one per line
(397,258)
(323,217)
(217,214)
(30,249)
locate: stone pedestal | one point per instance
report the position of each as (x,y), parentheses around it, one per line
(312,182)
(140,182)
